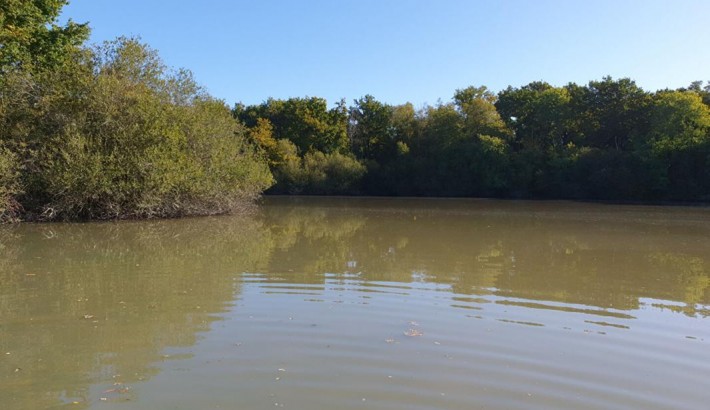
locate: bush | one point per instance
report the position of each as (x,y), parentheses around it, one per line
(320,174)
(153,144)
(9,186)
(124,137)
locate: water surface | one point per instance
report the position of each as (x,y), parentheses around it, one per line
(362,303)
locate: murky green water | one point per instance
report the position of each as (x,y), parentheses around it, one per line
(362,303)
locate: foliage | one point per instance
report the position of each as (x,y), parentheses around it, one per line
(123,136)
(153,145)
(679,139)
(480,117)
(608,139)
(307,122)
(608,112)
(538,114)
(9,186)
(321,174)
(111,132)
(305,144)
(371,133)
(30,37)
(678,121)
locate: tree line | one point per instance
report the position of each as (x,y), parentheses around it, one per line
(109,131)
(606,140)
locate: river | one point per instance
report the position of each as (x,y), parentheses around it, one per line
(357,303)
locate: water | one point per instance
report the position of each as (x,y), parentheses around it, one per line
(362,303)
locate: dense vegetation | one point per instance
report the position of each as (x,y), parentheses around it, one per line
(608,139)
(110,132)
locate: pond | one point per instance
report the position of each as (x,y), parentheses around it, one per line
(357,303)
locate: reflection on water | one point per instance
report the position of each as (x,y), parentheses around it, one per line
(86,303)
(355,303)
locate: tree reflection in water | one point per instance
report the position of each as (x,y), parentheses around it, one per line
(82,304)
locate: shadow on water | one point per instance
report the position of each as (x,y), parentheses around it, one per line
(83,304)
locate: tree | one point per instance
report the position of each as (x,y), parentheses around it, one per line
(609,112)
(480,117)
(405,123)
(697,87)
(371,133)
(30,37)
(679,121)
(262,135)
(538,114)
(307,122)
(679,139)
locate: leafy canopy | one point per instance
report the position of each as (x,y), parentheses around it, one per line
(31,38)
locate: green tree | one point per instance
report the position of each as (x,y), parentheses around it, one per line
(538,114)
(703,91)
(371,132)
(262,135)
(31,38)
(307,122)
(405,124)
(679,140)
(678,121)
(609,112)
(480,117)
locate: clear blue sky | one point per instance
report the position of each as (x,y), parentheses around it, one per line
(410,50)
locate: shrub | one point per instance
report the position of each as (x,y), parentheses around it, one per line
(320,174)
(9,186)
(122,136)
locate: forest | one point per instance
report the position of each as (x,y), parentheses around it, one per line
(109,131)
(605,140)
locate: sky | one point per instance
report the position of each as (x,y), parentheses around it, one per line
(417,51)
